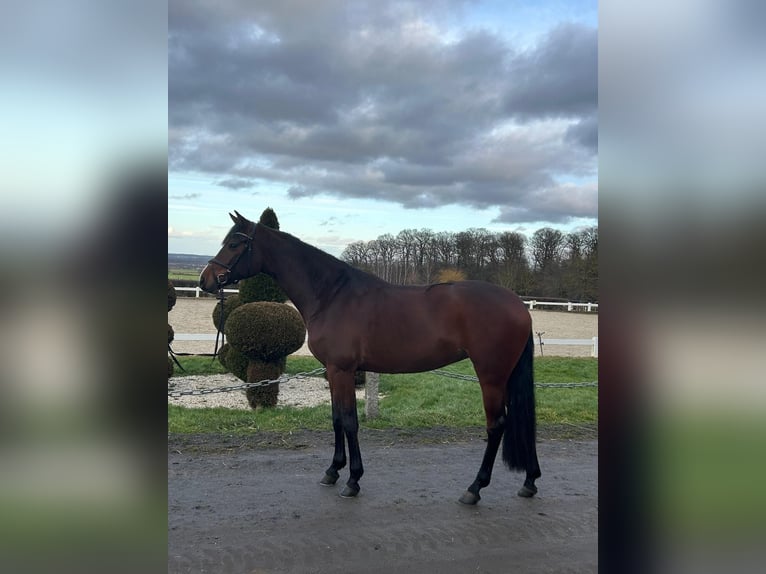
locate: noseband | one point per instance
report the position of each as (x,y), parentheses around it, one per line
(222,279)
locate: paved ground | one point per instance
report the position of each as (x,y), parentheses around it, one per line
(255,506)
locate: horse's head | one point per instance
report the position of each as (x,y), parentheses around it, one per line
(239,257)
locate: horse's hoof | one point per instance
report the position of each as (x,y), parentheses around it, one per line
(469,498)
(349,492)
(527,491)
(328,480)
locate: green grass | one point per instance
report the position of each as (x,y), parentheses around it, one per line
(407,401)
(232,421)
(198,365)
(301,364)
(174,274)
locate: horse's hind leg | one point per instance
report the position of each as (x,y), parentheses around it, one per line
(494,408)
(529,489)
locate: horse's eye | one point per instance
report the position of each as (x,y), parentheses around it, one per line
(233,245)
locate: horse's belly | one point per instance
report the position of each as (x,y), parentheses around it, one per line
(414,358)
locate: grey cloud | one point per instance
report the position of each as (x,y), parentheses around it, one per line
(236,183)
(558,204)
(559,77)
(186,196)
(353,102)
(329,222)
(584,133)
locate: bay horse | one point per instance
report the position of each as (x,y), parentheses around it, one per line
(357,321)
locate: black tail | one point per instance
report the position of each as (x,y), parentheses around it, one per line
(519,452)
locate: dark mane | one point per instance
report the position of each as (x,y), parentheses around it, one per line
(327,274)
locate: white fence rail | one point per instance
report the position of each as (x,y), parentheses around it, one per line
(592,343)
(531,304)
(197,290)
(569,305)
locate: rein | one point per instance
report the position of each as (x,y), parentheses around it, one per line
(174,357)
(220,324)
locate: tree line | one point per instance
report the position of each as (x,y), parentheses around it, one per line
(549,264)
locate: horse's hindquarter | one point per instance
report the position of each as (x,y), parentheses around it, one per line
(494,310)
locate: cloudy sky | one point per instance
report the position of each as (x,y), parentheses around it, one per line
(354,119)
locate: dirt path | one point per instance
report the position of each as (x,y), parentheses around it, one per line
(235,506)
(192,315)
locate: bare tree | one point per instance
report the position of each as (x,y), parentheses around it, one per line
(386,251)
(513,272)
(445,249)
(546,245)
(550,263)
(512,246)
(405,243)
(423,254)
(573,243)
(464,250)
(485,253)
(353,254)
(590,241)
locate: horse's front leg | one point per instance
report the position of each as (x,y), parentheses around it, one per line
(346,424)
(339,458)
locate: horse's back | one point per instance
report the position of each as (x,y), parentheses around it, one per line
(485,301)
(458,306)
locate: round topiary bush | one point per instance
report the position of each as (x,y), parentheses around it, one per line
(171,295)
(257,371)
(269,218)
(234,361)
(261,287)
(229,304)
(265,331)
(171,334)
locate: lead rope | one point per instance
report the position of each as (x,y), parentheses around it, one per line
(220,325)
(173,356)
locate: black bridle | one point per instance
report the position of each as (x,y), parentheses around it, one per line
(222,279)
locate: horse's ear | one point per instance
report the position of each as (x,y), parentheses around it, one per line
(240,218)
(234,219)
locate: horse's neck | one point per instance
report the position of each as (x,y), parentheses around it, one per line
(294,273)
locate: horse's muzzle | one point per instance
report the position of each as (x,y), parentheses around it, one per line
(208,283)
